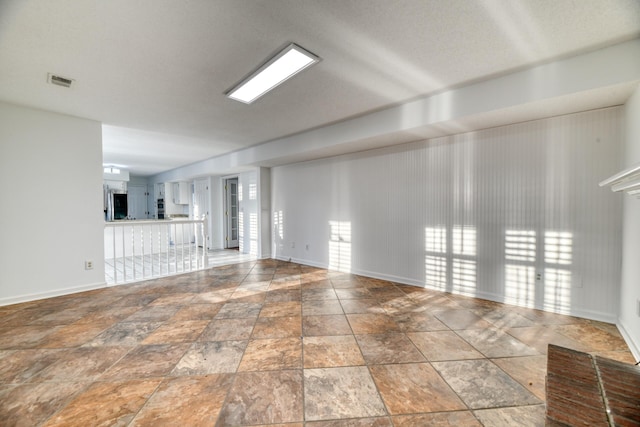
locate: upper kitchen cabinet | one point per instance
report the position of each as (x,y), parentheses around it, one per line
(181,193)
(159,191)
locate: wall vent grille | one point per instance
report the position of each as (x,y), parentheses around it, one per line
(59,80)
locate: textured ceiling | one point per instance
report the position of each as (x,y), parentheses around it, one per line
(154,71)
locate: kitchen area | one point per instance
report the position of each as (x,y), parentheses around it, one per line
(148,231)
(155,229)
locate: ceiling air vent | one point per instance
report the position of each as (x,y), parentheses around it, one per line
(59,80)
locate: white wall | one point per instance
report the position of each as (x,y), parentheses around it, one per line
(479,213)
(629,319)
(51,218)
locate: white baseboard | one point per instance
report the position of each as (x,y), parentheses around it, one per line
(50,294)
(633,346)
(586,314)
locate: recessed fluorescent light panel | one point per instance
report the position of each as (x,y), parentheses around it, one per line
(286,64)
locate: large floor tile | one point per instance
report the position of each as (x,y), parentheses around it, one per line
(281,309)
(228,329)
(125,333)
(31,404)
(272,354)
(496,343)
(481,384)
(504,318)
(353,422)
(153,313)
(331,351)
(418,322)
(168,405)
(388,348)
(372,324)
(461,319)
(443,345)
(17,337)
(18,366)
(175,332)
(235,310)
(211,358)
(530,371)
(266,397)
(438,419)
(74,335)
(540,336)
(319,307)
(325,325)
(414,388)
(197,312)
(81,364)
(277,327)
(332,393)
(366,305)
(521,416)
(147,361)
(353,293)
(593,337)
(119,403)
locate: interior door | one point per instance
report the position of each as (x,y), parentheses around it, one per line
(137,201)
(231,212)
(201,207)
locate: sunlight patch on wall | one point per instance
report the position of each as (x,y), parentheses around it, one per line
(464,240)
(520,282)
(278,224)
(442,270)
(435,261)
(240,230)
(340,246)
(463,276)
(520,272)
(558,251)
(253,234)
(435,239)
(520,245)
(557,290)
(436,271)
(558,247)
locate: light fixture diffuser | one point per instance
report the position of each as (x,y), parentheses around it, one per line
(284,65)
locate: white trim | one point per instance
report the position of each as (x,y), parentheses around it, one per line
(585,314)
(633,346)
(50,294)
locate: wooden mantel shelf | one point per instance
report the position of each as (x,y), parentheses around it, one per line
(628,180)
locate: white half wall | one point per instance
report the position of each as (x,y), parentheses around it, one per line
(629,319)
(511,214)
(52,218)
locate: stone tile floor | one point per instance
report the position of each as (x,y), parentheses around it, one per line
(274,343)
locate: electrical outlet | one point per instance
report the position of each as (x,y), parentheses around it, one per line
(538,276)
(306,246)
(88,265)
(293,245)
(638,307)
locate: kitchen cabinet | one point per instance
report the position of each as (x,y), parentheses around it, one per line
(159,190)
(181,193)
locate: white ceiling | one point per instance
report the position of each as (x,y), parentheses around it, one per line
(155,71)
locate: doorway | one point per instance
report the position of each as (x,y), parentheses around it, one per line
(231,213)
